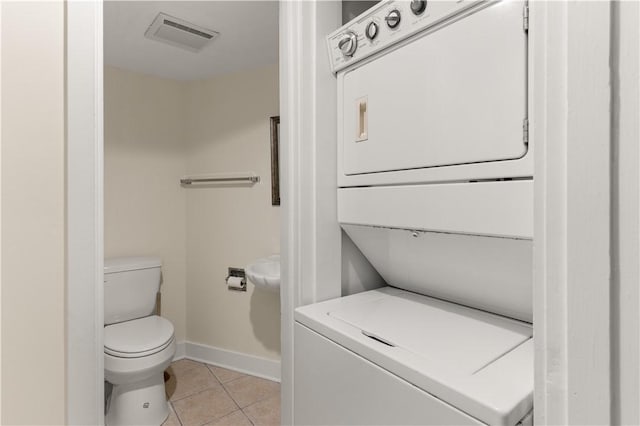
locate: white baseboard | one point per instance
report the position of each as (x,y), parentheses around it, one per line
(180,351)
(248,364)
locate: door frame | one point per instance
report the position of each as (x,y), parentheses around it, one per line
(85,210)
(310,236)
(571,128)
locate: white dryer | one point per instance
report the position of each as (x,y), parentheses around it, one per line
(435,176)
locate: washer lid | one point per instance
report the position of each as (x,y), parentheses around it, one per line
(455,338)
(137,336)
(478,362)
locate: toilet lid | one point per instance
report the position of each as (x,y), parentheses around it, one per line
(139,337)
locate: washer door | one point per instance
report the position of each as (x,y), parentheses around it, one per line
(455,95)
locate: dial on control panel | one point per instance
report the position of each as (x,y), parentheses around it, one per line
(372,30)
(393,18)
(418,6)
(348,44)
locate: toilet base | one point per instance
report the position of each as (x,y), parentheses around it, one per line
(139,403)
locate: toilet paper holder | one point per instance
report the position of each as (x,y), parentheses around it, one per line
(236,273)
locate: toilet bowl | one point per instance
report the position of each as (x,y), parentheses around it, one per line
(138,346)
(136,353)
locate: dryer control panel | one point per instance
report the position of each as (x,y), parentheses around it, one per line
(389,23)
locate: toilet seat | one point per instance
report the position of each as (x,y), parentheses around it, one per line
(138,338)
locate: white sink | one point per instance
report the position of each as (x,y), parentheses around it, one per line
(265,273)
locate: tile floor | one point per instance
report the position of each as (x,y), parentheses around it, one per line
(202,394)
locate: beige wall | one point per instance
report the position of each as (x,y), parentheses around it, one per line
(228,120)
(157,130)
(145,206)
(33,213)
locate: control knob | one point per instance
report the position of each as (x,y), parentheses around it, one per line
(348,44)
(372,30)
(393,18)
(418,6)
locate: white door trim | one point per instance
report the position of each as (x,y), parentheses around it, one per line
(84,109)
(310,233)
(570,126)
(0,220)
(625,239)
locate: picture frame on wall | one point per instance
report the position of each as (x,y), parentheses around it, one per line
(275,160)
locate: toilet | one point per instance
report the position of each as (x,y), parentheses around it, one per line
(138,346)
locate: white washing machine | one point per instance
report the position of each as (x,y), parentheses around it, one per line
(435,176)
(391,357)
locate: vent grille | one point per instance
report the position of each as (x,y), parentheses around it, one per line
(179,33)
(188,29)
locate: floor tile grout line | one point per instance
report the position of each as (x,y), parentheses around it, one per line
(200,391)
(248,417)
(243,375)
(257,401)
(197,393)
(231,396)
(187,396)
(214,375)
(211,372)
(227,415)
(176,413)
(190,362)
(247,376)
(221,384)
(254,403)
(222,417)
(213,420)
(273,395)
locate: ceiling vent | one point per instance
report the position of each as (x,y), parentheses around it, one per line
(179,33)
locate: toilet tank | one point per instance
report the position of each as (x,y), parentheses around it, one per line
(130,287)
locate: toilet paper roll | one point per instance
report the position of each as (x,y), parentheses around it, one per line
(235,283)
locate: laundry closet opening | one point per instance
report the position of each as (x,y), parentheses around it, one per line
(434,186)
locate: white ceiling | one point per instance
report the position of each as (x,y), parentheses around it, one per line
(248,37)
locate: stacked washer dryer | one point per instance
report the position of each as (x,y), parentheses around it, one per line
(435,176)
